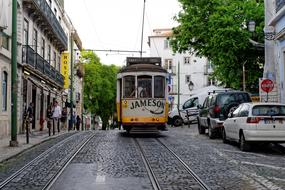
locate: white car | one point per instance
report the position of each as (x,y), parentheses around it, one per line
(255,122)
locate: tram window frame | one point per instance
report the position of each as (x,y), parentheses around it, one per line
(144,89)
(159,89)
(131,88)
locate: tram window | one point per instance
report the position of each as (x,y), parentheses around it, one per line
(159,88)
(129,87)
(144,87)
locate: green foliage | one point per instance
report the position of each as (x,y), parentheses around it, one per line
(99,87)
(217,30)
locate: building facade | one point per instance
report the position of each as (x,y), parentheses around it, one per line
(193,72)
(43,34)
(5,66)
(274,68)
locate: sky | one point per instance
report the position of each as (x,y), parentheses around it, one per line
(117,25)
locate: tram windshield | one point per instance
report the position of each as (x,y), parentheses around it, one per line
(159,89)
(144,87)
(129,87)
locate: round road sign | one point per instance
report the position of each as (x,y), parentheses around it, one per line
(267,85)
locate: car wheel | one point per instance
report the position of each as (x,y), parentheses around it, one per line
(244,145)
(201,129)
(177,121)
(210,131)
(224,136)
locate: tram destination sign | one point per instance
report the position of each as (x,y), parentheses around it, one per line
(144,60)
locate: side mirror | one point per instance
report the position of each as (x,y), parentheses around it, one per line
(199,106)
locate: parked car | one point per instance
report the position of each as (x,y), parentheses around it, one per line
(190,106)
(255,122)
(215,109)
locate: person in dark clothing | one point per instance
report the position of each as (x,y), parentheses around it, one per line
(30,111)
(78,121)
(49,115)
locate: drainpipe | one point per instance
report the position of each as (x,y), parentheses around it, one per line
(14,119)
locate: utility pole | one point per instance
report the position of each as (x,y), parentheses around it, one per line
(14,119)
(142,28)
(71,81)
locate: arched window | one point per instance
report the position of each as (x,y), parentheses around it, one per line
(4,90)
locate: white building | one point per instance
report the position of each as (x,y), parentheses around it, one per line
(42,36)
(274,67)
(5,65)
(193,70)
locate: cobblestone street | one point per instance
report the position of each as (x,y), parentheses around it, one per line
(112,160)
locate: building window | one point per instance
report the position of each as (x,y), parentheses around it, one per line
(35,40)
(5,41)
(55,12)
(187,78)
(43,48)
(168,64)
(49,54)
(187,60)
(58,63)
(166,44)
(26,32)
(50,3)
(59,19)
(54,59)
(4,90)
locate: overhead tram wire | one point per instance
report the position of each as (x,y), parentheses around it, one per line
(114,50)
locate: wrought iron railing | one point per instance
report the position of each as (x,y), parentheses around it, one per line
(29,57)
(40,63)
(47,68)
(279,4)
(52,20)
(53,73)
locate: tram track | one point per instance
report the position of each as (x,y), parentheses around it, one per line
(55,170)
(157,174)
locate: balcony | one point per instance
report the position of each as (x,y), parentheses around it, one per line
(29,56)
(42,14)
(41,67)
(47,68)
(40,63)
(279,4)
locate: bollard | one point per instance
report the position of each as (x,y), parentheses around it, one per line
(27,130)
(49,128)
(53,129)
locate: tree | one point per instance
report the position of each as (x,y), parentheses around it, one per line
(99,87)
(217,29)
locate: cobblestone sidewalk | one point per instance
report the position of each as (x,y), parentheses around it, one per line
(35,138)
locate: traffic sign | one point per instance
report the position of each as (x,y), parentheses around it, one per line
(267,85)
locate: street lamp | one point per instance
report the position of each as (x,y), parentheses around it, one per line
(251,26)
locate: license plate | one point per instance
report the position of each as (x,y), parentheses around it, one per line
(270,121)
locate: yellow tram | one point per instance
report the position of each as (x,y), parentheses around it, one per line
(142,103)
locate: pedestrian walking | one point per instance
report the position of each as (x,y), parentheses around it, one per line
(56,115)
(78,121)
(49,117)
(64,117)
(30,115)
(87,122)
